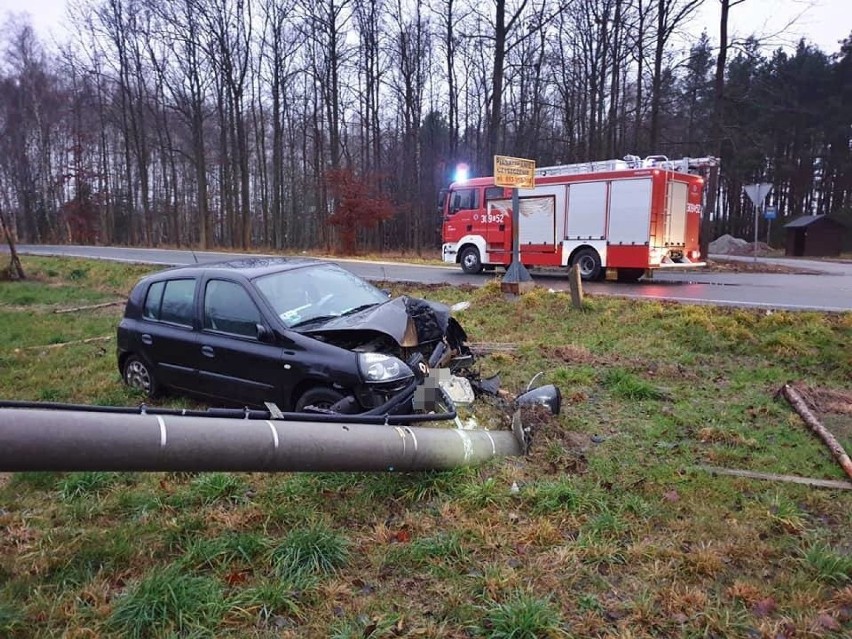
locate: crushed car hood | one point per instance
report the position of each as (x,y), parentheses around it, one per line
(407,320)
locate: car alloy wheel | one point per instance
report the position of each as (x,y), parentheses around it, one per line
(138,376)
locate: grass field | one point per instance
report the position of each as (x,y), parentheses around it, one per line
(612,531)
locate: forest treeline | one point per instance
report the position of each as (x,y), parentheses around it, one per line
(309,123)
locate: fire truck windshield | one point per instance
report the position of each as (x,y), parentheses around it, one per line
(463,199)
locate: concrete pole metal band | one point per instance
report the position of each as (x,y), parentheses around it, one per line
(42,440)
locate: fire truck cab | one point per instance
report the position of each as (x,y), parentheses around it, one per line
(618,218)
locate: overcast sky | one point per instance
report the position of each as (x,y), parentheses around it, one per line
(782,22)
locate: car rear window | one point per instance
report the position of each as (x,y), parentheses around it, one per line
(171,301)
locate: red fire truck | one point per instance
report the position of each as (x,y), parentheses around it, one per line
(617,218)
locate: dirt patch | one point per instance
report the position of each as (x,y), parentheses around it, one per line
(5,478)
(733,266)
(556,450)
(571,354)
(825,400)
(833,408)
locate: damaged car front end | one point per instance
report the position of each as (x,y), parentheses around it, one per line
(398,342)
(301,334)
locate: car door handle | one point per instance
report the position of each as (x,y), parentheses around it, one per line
(208,351)
(147,339)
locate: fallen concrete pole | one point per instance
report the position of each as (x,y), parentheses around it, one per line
(56,440)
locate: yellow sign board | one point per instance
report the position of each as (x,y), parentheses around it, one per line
(515,173)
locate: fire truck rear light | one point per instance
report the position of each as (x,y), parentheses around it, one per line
(694,255)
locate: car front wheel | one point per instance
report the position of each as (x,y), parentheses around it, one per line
(319,397)
(139,376)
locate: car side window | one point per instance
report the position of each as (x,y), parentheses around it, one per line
(177,306)
(154,299)
(170,301)
(229,308)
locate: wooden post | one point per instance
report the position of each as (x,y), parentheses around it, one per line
(575,282)
(807,481)
(15,270)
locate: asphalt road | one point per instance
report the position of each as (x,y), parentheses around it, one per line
(829,288)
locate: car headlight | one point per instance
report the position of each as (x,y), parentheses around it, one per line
(377,367)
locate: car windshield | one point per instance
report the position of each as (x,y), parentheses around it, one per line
(326,291)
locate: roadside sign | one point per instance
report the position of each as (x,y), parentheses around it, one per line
(514,173)
(757,192)
(770,212)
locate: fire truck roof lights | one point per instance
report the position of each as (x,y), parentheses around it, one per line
(462,172)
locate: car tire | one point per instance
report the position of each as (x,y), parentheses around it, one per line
(139,376)
(589,263)
(470,260)
(318,396)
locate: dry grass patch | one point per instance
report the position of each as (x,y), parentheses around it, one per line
(714,435)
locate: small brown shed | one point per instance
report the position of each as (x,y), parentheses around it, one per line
(814,235)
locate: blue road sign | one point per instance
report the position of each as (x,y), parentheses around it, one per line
(770,212)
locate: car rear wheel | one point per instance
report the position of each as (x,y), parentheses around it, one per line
(318,397)
(139,376)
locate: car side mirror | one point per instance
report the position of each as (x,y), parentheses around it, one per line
(264,334)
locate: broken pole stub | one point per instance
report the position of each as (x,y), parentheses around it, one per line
(516,288)
(575,283)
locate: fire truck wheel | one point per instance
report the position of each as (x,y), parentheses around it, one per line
(589,263)
(470,261)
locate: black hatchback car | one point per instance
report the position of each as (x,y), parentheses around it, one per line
(295,332)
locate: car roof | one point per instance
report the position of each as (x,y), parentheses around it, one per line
(248,267)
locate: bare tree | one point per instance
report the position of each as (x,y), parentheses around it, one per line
(325,24)
(368,17)
(282,41)
(15,271)
(29,117)
(450,15)
(410,51)
(670,16)
(712,192)
(183,71)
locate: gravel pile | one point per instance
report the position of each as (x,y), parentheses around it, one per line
(762,249)
(728,245)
